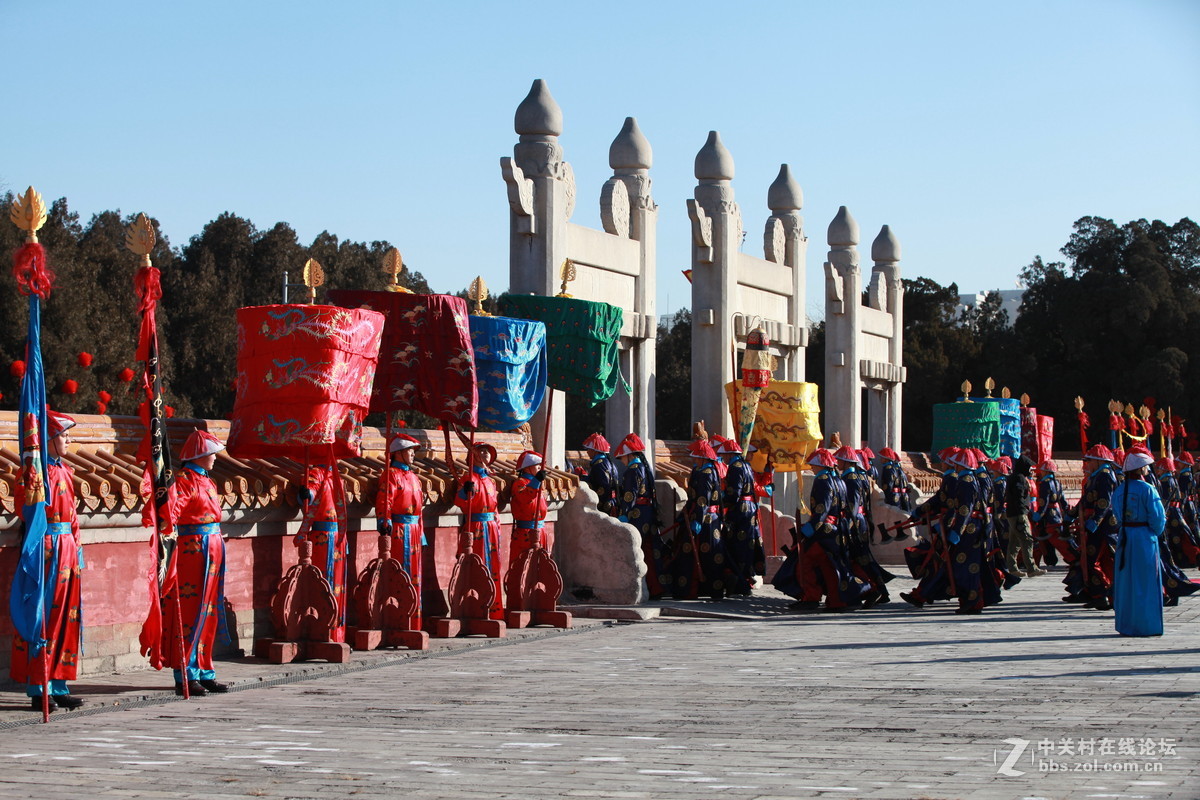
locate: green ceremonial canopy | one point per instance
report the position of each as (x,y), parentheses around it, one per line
(582,342)
(967,425)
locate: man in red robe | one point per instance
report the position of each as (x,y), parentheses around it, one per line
(398,508)
(200,566)
(477,498)
(324,510)
(63,630)
(528,507)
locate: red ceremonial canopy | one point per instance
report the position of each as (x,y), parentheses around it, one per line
(426,361)
(304,379)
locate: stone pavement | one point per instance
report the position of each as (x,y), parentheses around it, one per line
(752,701)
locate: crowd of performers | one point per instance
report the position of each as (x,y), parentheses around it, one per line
(1124,544)
(196,606)
(713,547)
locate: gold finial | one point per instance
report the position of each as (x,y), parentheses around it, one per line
(139,238)
(478,293)
(966,390)
(1114,407)
(989,384)
(393,266)
(1078,403)
(1006,393)
(1160,414)
(1130,411)
(314,276)
(1144,412)
(28,213)
(1024,399)
(566,274)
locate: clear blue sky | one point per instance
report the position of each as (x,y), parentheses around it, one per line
(979,131)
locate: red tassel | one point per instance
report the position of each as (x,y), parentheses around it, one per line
(17,370)
(31,270)
(148,286)
(85,360)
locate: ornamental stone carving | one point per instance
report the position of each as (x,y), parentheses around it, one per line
(614,207)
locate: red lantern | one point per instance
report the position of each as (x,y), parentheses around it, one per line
(169,411)
(101,408)
(126,375)
(104,396)
(69,387)
(401,424)
(17,370)
(85,360)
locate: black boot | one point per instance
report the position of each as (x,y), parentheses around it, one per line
(35,704)
(66,701)
(194,689)
(214,687)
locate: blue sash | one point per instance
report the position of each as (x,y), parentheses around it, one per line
(530,525)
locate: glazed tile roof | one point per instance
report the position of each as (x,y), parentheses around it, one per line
(108,473)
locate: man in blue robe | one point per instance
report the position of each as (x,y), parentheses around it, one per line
(1137,584)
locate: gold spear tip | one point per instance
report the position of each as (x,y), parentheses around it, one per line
(989,384)
(1006,393)
(28,212)
(478,292)
(393,266)
(1078,403)
(1129,409)
(566,274)
(1144,412)
(1161,414)
(314,276)
(1024,398)
(139,237)
(966,390)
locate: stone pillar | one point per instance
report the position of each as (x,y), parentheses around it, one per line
(843,299)
(785,199)
(885,252)
(716,236)
(541,193)
(630,158)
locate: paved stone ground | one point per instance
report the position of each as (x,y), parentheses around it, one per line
(758,703)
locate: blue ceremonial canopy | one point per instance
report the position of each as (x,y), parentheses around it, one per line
(510,362)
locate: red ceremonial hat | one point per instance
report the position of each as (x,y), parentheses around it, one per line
(596,443)
(528,459)
(1119,456)
(1186,458)
(1099,452)
(1167,463)
(200,444)
(58,424)
(702,449)
(1048,466)
(821,457)
(486,452)
(631,444)
(1140,447)
(847,453)
(965,459)
(866,451)
(947,455)
(402,441)
(728,447)
(889,454)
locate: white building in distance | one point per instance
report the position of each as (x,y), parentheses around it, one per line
(1010,301)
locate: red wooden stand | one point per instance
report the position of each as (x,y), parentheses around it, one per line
(304,613)
(533,585)
(471,593)
(386,605)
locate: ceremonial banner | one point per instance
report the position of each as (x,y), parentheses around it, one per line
(1010,424)
(967,425)
(304,378)
(582,341)
(510,360)
(426,362)
(787,426)
(1029,438)
(1045,437)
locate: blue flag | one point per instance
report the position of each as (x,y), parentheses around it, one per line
(28,601)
